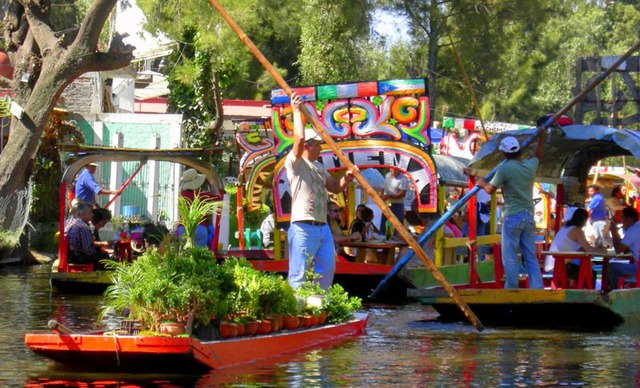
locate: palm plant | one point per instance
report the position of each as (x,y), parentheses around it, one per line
(192,213)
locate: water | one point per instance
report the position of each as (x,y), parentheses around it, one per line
(403,347)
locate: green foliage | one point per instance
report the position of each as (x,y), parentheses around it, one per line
(192,213)
(179,286)
(331,34)
(339,305)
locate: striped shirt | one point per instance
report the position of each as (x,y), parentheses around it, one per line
(80,237)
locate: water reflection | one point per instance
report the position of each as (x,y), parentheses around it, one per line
(403,347)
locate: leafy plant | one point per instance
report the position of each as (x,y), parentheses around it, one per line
(192,213)
(179,286)
(339,305)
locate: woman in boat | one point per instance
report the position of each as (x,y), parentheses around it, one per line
(333,219)
(571,238)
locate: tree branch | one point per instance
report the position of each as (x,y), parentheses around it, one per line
(37,14)
(89,31)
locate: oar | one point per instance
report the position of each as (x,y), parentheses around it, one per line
(347,163)
(462,201)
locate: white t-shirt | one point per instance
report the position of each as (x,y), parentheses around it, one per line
(632,239)
(394,186)
(307,181)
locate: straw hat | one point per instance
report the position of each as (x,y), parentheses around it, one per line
(191,180)
(93,164)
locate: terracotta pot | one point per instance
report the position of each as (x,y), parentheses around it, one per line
(306,321)
(240,328)
(251,328)
(265,326)
(172,328)
(228,330)
(280,320)
(290,323)
(323,317)
(315,319)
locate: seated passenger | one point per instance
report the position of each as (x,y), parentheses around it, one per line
(99,218)
(629,244)
(81,246)
(571,238)
(333,219)
(266,229)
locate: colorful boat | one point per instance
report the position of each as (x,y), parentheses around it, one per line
(568,156)
(85,278)
(115,352)
(379,125)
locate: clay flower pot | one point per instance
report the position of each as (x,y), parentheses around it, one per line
(228,330)
(251,328)
(306,321)
(241,329)
(290,322)
(265,326)
(172,328)
(323,317)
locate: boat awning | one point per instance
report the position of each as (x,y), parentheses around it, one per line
(78,156)
(569,152)
(449,170)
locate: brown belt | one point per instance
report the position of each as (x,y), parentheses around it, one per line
(314,223)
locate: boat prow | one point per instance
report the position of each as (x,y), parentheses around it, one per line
(166,354)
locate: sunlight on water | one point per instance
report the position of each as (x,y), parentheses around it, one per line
(403,347)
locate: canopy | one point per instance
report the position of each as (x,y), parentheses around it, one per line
(569,152)
(449,170)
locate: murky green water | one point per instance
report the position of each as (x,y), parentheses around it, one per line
(400,349)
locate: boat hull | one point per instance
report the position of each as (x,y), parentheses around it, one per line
(576,309)
(182,354)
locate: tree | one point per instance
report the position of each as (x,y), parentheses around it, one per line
(44,63)
(331,34)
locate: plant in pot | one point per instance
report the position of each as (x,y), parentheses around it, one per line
(310,296)
(184,284)
(179,286)
(339,305)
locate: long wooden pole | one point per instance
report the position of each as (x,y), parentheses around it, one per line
(356,173)
(462,201)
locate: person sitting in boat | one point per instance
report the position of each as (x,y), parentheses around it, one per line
(616,203)
(99,218)
(333,219)
(81,247)
(191,184)
(571,238)
(630,243)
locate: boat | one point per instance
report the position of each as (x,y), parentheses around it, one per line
(84,278)
(379,126)
(568,155)
(102,351)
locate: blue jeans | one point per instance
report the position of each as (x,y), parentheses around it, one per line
(619,269)
(398,210)
(519,230)
(311,242)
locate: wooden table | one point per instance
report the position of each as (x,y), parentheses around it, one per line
(389,246)
(585,274)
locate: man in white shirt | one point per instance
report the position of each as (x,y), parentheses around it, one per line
(394,190)
(630,243)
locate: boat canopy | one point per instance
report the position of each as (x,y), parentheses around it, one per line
(569,152)
(449,170)
(78,156)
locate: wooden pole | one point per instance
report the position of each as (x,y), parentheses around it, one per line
(356,173)
(126,183)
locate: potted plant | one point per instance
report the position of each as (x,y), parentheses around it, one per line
(181,286)
(339,305)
